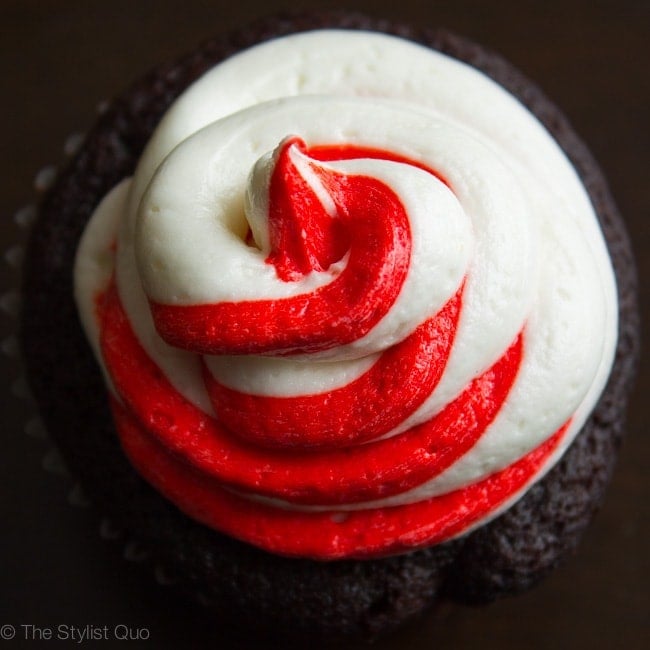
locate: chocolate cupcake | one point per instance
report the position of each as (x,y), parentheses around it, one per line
(327,411)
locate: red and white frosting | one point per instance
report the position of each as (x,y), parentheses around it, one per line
(354,301)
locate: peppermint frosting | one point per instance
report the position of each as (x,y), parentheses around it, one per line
(355,299)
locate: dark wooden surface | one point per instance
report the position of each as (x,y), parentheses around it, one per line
(58,59)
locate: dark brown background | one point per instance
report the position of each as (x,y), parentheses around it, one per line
(60,58)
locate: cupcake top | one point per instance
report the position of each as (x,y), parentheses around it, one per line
(354,301)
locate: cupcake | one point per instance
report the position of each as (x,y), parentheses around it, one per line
(353,324)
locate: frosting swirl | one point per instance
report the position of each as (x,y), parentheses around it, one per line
(370,303)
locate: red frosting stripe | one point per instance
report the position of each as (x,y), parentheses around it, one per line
(304,237)
(368,471)
(331,152)
(326,449)
(370,219)
(326,535)
(366,408)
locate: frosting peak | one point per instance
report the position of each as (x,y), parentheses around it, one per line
(367,337)
(306,206)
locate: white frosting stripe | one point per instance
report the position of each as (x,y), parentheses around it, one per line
(511,222)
